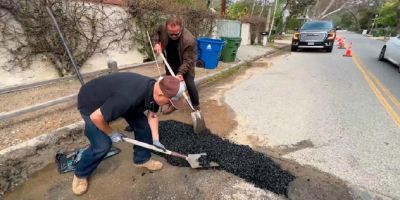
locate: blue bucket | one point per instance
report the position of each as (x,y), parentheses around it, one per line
(209,50)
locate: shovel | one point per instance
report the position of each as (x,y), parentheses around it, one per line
(198,121)
(193,159)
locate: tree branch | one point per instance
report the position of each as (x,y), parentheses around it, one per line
(326,9)
(333,12)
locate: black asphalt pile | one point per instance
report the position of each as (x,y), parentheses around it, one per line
(239,160)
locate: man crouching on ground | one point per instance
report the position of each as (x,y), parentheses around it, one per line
(125,95)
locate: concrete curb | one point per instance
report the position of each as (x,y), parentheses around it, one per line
(19,162)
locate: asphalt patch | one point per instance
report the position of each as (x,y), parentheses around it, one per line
(240,160)
(204,161)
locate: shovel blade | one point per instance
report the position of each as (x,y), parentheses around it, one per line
(193,160)
(199,124)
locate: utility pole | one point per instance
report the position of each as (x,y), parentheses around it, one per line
(273,18)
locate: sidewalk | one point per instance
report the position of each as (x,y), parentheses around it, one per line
(23,154)
(249,52)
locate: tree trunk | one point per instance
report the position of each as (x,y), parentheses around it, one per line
(315,10)
(326,9)
(262,7)
(273,19)
(355,19)
(269,18)
(252,8)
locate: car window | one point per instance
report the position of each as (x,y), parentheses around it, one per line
(317,25)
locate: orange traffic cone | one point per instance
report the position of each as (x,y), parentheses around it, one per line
(341,43)
(348,53)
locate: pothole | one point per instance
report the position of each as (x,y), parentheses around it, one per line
(240,160)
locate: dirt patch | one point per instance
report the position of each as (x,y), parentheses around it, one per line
(33,124)
(34,96)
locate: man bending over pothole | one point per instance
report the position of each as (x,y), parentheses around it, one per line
(125,95)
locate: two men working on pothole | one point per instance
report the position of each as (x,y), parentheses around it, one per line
(129,95)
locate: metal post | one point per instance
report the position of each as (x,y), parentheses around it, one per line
(65,46)
(113,66)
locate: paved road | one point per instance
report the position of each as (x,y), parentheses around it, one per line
(335,113)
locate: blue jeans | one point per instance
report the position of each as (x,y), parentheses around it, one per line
(100,144)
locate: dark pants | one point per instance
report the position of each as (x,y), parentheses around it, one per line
(191,86)
(100,144)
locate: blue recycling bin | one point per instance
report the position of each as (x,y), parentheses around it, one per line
(209,50)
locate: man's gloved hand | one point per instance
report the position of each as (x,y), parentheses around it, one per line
(116,137)
(157,144)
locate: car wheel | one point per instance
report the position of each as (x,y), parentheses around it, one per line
(382,54)
(294,48)
(329,49)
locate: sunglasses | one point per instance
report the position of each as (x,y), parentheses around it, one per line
(174,34)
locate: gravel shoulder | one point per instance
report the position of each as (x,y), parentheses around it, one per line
(28,126)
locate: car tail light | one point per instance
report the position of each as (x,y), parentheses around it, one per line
(331,35)
(296,35)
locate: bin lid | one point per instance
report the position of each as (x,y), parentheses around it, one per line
(210,40)
(231,38)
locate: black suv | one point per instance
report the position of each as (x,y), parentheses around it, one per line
(315,35)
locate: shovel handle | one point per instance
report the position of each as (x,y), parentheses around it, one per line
(147,146)
(152,147)
(178,155)
(167,64)
(173,74)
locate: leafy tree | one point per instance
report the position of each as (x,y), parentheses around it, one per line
(388,14)
(238,10)
(297,8)
(365,17)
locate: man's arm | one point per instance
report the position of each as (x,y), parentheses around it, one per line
(153,123)
(98,120)
(188,58)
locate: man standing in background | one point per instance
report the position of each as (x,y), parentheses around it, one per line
(179,47)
